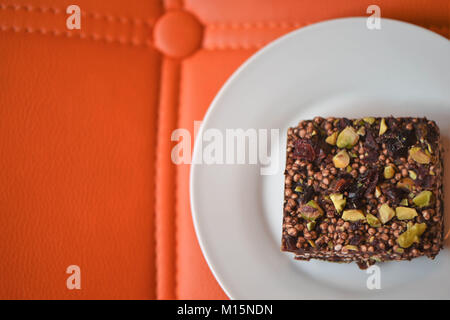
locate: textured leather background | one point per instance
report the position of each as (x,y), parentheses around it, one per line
(85,124)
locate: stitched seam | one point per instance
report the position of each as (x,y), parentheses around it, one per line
(155,222)
(256,45)
(275,25)
(136,42)
(255,25)
(177,186)
(94,15)
(235,46)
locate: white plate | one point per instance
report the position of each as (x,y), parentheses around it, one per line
(334,68)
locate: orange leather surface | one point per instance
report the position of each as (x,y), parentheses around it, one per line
(85,123)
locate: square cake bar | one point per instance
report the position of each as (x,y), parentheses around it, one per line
(363,190)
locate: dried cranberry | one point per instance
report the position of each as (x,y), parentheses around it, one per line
(291,243)
(356,240)
(370,180)
(407,138)
(364,186)
(355,199)
(343,123)
(398,141)
(303,150)
(428,182)
(395,147)
(370,142)
(396,194)
(321,148)
(307,195)
(371,157)
(392,123)
(424,179)
(421,130)
(371,146)
(343,183)
(421,171)
(433,134)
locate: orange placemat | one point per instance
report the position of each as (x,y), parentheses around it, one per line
(85,123)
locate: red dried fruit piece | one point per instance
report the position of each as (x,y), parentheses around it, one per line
(321,148)
(342,184)
(290,243)
(433,134)
(424,179)
(343,123)
(371,146)
(306,196)
(421,129)
(428,182)
(364,186)
(398,141)
(303,150)
(396,194)
(371,157)
(392,123)
(355,197)
(370,181)
(407,138)
(356,240)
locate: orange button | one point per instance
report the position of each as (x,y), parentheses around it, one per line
(178,34)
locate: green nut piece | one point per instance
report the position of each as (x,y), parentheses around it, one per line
(369,120)
(420,156)
(412,174)
(361,131)
(311,225)
(386,213)
(389,172)
(373,221)
(407,238)
(353,215)
(409,225)
(376,259)
(332,139)
(341,160)
(404,202)
(311,211)
(339,201)
(350,247)
(298,189)
(347,138)
(383,127)
(404,213)
(311,243)
(377,192)
(399,250)
(423,199)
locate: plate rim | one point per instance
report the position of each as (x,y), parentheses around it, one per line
(224,88)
